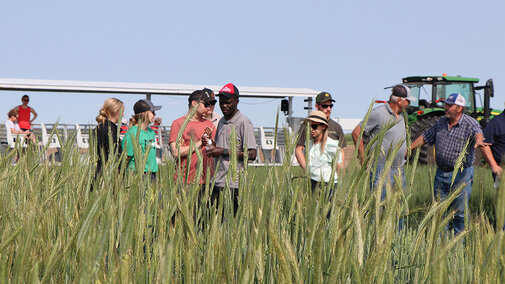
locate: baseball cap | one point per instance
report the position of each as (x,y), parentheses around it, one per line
(317,116)
(229,90)
(144,105)
(403,91)
(455,99)
(200,95)
(323,97)
(209,92)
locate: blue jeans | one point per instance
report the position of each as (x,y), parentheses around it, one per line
(374,180)
(442,187)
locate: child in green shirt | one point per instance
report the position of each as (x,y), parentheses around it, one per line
(144,135)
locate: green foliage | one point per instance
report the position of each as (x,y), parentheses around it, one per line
(129,229)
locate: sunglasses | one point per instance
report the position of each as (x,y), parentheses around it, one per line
(26,100)
(327,106)
(314,126)
(208,104)
(154,113)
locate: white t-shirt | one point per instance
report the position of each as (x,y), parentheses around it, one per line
(320,163)
(13,125)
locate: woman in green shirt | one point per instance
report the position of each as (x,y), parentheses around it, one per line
(142,134)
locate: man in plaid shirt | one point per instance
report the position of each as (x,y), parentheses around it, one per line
(450,135)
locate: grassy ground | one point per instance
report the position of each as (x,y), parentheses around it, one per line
(53,229)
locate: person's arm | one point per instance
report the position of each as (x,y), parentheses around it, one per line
(217,151)
(340,164)
(34,114)
(182,150)
(418,142)
(479,140)
(300,156)
(488,156)
(361,147)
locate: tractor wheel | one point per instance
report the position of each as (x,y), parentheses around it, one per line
(427,154)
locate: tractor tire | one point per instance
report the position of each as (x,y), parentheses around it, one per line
(427,153)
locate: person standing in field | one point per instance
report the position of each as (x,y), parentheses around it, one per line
(195,131)
(386,115)
(213,116)
(106,133)
(452,134)
(494,138)
(24,113)
(323,152)
(324,103)
(246,143)
(141,133)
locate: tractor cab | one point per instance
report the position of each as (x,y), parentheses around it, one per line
(431,91)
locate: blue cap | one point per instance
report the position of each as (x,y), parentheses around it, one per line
(455,99)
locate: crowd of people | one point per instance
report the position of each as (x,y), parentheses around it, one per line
(201,142)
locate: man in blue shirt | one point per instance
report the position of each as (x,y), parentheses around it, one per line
(450,135)
(494,135)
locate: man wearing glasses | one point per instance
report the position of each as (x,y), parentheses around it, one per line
(198,127)
(390,115)
(324,103)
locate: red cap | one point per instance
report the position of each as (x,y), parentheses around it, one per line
(228,90)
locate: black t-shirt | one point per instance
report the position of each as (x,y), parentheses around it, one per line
(494,133)
(102,137)
(335,132)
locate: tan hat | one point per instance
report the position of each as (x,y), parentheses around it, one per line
(317,116)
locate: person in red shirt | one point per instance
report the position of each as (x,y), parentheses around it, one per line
(24,113)
(197,130)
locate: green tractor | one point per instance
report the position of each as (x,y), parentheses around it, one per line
(430,91)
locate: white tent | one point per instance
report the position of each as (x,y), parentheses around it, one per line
(149,89)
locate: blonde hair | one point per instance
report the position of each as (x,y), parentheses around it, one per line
(110,107)
(138,118)
(324,139)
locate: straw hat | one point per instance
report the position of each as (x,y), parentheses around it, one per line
(317,116)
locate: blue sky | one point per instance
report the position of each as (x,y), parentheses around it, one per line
(351,49)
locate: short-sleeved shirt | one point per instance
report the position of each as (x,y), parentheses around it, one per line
(215,117)
(335,132)
(320,162)
(450,142)
(198,128)
(147,142)
(245,136)
(13,125)
(494,134)
(383,116)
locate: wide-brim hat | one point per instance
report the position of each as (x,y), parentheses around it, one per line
(317,116)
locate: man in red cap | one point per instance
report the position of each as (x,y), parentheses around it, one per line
(246,142)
